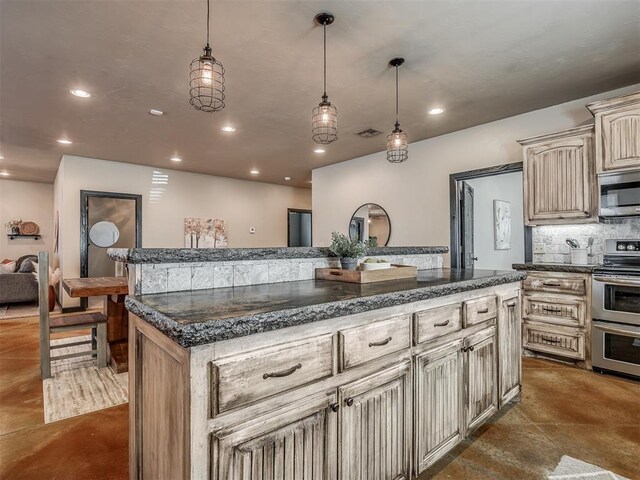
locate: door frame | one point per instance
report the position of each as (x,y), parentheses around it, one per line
(84,227)
(297,210)
(455,182)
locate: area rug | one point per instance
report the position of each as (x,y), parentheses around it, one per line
(571,468)
(78,386)
(18,310)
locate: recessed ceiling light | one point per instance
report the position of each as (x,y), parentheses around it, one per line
(76,92)
(287,178)
(254,172)
(319,150)
(5,174)
(228,128)
(176,159)
(157,113)
(436,111)
(1,157)
(64,141)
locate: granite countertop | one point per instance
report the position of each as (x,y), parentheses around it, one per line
(555,267)
(199,317)
(185,255)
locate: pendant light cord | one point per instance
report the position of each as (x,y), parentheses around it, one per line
(208,2)
(397,122)
(325,58)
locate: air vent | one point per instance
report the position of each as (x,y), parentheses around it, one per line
(369,132)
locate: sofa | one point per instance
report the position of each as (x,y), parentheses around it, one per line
(19,287)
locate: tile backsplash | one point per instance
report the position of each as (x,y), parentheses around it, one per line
(554,236)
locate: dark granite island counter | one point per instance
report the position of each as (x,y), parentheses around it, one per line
(274,380)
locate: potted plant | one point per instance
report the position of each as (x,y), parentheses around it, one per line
(54,278)
(348,250)
(13,226)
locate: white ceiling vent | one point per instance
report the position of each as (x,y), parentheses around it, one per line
(369,132)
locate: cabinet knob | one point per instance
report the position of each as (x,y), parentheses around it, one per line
(464,349)
(335,407)
(470,348)
(349,401)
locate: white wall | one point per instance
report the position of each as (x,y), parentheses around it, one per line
(416,193)
(243,204)
(29,201)
(507,187)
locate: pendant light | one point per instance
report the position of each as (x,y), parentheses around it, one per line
(324,118)
(206,80)
(397,142)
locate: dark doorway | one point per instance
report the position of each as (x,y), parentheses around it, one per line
(466,226)
(299,228)
(107,220)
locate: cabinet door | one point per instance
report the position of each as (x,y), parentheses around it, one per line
(510,348)
(481,377)
(619,134)
(559,181)
(296,442)
(438,402)
(376,413)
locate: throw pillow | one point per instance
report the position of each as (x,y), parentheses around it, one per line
(27,266)
(9,267)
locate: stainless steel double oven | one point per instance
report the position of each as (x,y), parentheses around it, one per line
(616,309)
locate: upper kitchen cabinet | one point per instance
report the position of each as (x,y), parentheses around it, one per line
(617,133)
(559,178)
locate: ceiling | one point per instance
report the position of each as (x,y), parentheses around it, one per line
(481,60)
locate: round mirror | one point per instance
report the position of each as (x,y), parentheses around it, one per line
(104,234)
(370,222)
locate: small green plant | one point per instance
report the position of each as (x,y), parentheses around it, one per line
(343,247)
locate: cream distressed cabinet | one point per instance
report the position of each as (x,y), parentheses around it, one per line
(617,136)
(559,178)
(510,354)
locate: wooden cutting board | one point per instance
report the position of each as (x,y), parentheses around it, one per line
(396,272)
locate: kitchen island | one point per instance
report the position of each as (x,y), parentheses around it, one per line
(317,379)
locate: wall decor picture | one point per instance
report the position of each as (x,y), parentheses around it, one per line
(205,233)
(502,225)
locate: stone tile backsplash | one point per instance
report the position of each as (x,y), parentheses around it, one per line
(173,277)
(557,251)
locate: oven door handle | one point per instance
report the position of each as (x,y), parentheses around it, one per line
(619,331)
(617,281)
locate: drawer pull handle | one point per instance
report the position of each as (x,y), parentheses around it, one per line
(334,407)
(284,373)
(551,340)
(441,324)
(484,310)
(551,284)
(511,304)
(349,401)
(380,344)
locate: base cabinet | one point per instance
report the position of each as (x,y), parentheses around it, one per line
(510,353)
(439,393)
(481,377)
(297,442)
(375,430)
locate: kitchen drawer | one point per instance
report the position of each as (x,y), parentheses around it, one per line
(369,342)
(245,378)
(558,309)
(571,283)
(480,310)
(558,340)
(436,322)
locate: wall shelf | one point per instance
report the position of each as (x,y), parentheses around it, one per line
(19,235)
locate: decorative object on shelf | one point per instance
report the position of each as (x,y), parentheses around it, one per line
(29,228)
(54,279)
(397,140)
(370,223)
(348,250)
(206,79)
(395,272)
(502,225)
(13,226)
(324,118)
(205,233)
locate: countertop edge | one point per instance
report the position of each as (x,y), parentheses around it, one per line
(203,333)
(188,255)
(554,267)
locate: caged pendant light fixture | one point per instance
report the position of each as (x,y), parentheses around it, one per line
(324,118)
(206,80)
(397,142)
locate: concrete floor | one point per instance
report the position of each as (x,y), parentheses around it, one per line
(564,411)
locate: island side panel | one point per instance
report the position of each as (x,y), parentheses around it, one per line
(159,399)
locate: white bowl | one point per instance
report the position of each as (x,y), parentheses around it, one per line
(375,266)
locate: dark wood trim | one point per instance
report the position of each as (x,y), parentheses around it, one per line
(84,227)
(454,209)
(297,210)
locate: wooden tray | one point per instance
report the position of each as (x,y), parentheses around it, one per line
(396,272)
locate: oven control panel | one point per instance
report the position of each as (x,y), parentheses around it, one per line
(627,246)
